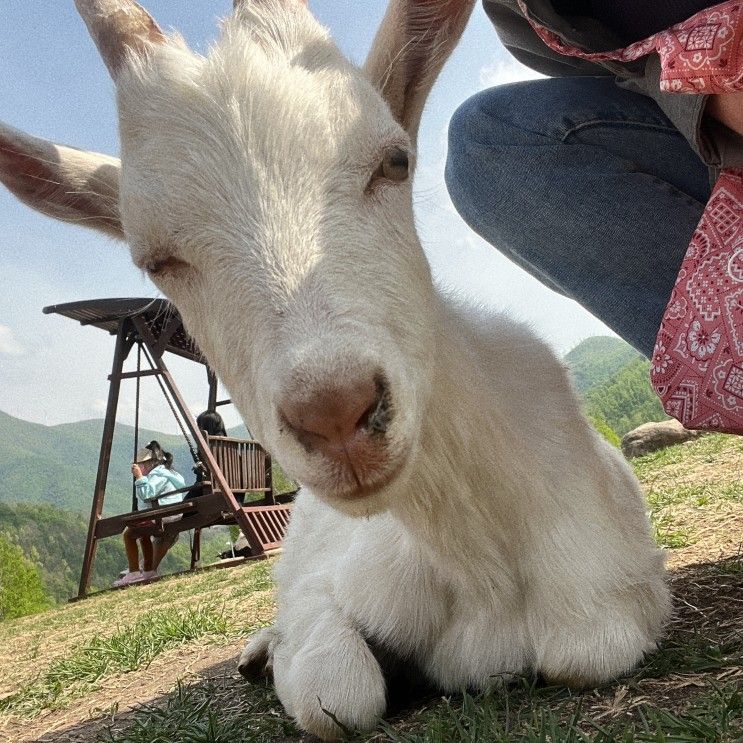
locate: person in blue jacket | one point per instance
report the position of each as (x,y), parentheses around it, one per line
(154,480)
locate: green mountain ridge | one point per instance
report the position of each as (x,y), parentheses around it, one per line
(614,380)
(595,360)
(58,464)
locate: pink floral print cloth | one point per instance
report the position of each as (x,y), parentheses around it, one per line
(697,365)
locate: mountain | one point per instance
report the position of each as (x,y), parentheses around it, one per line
(626,399)
(614,381)
(57,464)
(597,359)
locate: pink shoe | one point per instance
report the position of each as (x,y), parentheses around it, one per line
(128,578)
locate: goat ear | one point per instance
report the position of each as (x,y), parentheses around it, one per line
(411,46)
(119,28)
(62,182)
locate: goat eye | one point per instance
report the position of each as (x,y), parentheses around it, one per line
(166,266)
(394,167)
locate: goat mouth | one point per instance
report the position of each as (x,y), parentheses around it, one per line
(364,489)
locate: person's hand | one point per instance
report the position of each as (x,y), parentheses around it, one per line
(136,471)
(727,108)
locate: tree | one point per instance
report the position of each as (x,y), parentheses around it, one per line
(21,587)
(600,424)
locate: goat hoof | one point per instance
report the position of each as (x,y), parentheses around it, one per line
(256,660)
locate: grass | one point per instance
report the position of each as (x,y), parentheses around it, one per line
(180,661)
(213,712)
(125,651)
(533,715)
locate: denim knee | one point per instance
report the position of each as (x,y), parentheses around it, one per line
(478,139)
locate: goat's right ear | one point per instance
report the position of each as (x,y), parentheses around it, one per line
(62,182)
(413,43)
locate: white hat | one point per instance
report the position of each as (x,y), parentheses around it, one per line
(144,455)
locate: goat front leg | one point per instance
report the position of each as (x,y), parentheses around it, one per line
(593,617)
(329,679)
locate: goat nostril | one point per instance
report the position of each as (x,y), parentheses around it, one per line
(377,417)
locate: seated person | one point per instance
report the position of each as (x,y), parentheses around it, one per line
(154,478)
(211,422)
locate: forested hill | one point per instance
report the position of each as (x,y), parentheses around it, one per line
(55,540)
(614,380)
(597,359)
(57,464)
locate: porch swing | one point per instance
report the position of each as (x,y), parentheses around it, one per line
(234,484)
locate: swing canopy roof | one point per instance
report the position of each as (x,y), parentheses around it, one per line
(156,314)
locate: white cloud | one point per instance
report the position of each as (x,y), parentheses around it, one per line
(9,345)
(503,71)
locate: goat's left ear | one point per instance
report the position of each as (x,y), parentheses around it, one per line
(62,182)
(411,46)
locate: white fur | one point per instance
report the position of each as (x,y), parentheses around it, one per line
(502,535)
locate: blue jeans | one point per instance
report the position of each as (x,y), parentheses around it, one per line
(585,185)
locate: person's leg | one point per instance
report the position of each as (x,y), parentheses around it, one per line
(161,546)
(132,550)
(147,554)
(587,186)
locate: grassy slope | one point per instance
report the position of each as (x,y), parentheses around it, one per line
(172,647)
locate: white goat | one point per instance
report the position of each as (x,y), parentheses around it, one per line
(456,508)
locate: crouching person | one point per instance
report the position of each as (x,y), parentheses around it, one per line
(154,479)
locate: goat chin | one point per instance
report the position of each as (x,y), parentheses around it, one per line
(515,541)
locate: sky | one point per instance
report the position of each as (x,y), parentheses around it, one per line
(54,85)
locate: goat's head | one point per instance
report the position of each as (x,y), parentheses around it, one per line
(266,190)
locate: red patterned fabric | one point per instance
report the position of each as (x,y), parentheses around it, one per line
(701,55)
(697,365)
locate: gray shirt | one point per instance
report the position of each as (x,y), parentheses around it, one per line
(717,145)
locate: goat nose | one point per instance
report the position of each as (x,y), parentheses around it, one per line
(335,419)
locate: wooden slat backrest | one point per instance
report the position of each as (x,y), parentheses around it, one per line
(243,463)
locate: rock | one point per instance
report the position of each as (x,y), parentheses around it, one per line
(650,437)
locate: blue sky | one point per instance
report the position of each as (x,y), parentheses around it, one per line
(53,85)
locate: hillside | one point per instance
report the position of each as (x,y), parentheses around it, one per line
(55,539)
(158,662)
(57,464)
(595,360)
(626,399)
(614,381)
